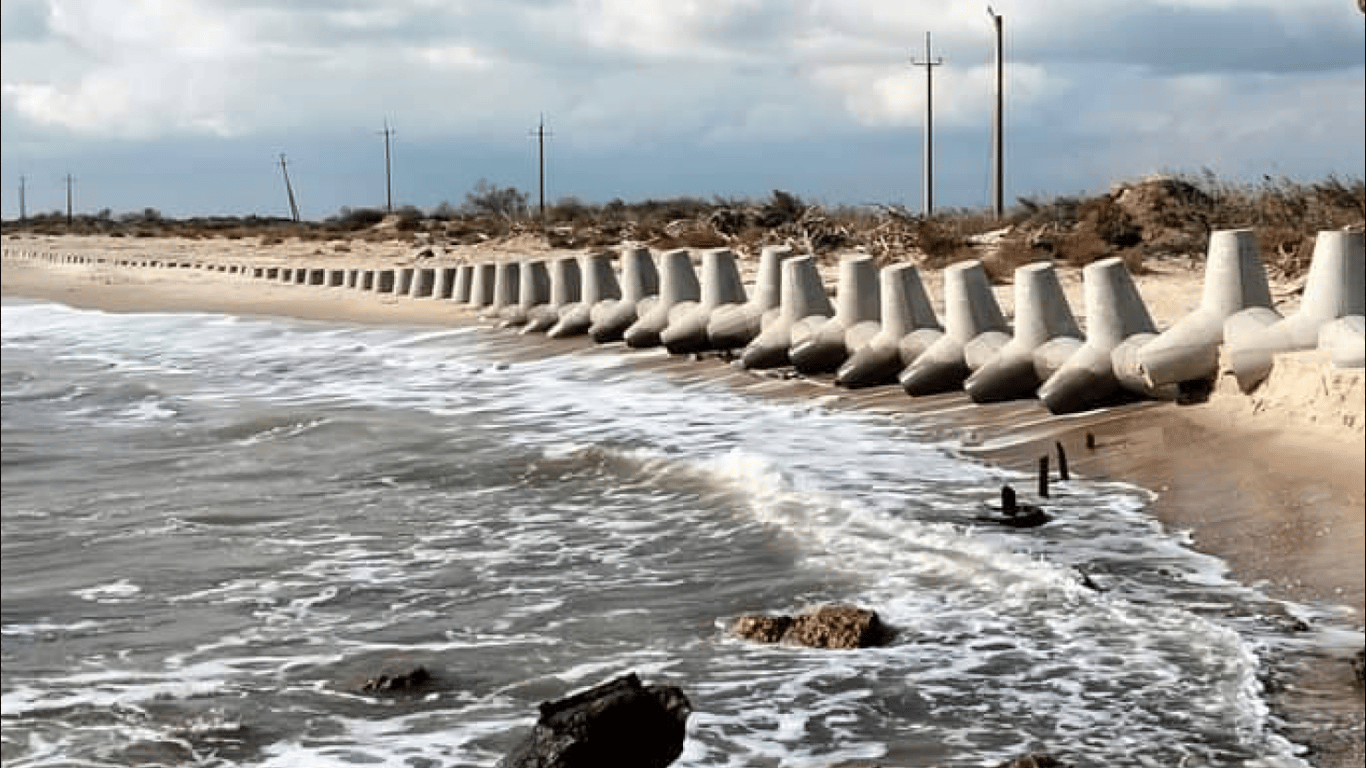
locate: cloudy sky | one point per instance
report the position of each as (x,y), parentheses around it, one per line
(186,105)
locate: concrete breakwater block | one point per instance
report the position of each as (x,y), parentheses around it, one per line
(639,281)
(802,296)
(973,329)
(464,278)
(1042,318)
(403,281)
(905,310)
(599,284)
(566,286)
(822,345)
(384,281)
(482,282)
(533,290)
(677,283)
(424,283)
(1343,341)
(1115,312)
(1234,281)
(686,330)
(1335,287)
(506,287)
(734,326)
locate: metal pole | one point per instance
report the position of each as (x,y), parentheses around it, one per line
(540,140)
(289,190)
(23,209)
(68,199)
(929,63)
(998,125)
(388,185)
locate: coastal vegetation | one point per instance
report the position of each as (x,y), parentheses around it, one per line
(1153,218)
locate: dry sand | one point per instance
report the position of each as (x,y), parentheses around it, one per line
(1273,483)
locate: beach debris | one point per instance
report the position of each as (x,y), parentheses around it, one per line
(1038,760)
(1017,515)
(1087,581)
(620,722)
(832,627)
(414,681)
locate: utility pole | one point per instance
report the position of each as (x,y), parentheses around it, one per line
(540,134)
(68,200)
(293,209)
(928,173)
(23,210)
(388,186)
(998,174)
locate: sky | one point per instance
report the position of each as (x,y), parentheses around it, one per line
(185,106)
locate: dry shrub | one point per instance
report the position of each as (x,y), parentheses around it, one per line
(1081,247)
(1011,253)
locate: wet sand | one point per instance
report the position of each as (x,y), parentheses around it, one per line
(1278,493)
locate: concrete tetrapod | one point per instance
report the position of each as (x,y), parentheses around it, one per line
(1046,334)
(533,290)
(973,329)
(1343,341)
(686,331)
(802,296)
(482,284)
(1114,313)
(506,290)
(565,289)
(734,326)
(639,281)
(1335,287)
(906,311)
(1234,280)
(678,283)
(599,284)
(464,275)
(821,345)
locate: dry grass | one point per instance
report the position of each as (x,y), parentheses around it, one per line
(1150,219)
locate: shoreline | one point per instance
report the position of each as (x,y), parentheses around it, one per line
(1284,511)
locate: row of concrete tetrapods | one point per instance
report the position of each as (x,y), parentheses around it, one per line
(882,329)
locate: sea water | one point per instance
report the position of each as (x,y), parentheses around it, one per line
(215,528)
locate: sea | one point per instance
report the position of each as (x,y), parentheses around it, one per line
(216,528)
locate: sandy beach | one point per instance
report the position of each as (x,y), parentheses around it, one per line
(1273,482)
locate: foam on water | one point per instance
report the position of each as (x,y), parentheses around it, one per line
(338,498)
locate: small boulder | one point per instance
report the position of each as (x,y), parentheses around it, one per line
(417,680)
(762,629)
(620,722)
(837,627)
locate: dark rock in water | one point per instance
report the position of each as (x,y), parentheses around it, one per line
(620,722)
(837,627)
(1035,761)
(762,629)
(1359,664)
(1016,515)
(416,681)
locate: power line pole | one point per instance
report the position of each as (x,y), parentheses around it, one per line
(68,199)
(928,173)
(23,209)
(388,186)
(998,174)
(540,134)
(293,209)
